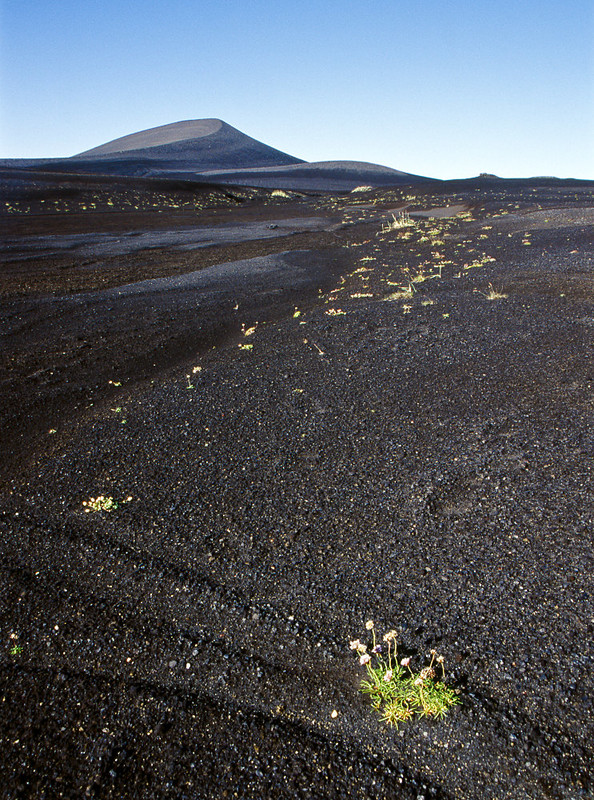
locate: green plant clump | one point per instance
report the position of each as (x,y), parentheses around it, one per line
(103,503)
(396,692)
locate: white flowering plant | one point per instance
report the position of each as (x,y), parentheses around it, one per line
(103,503)
(396,692)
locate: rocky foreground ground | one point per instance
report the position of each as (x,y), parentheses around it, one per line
(324,420)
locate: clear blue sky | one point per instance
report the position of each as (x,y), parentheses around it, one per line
(444,89)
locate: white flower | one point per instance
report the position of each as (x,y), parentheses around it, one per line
(405,662)
(388,676)
(369,625)
(364,658)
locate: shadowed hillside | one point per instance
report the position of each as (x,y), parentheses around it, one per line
(333,176)
(195,145)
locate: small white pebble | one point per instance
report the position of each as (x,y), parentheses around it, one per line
(334,714)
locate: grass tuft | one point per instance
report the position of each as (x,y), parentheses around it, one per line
(492,293)
(403,293)
(403,220)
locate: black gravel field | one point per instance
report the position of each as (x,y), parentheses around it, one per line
(305,427)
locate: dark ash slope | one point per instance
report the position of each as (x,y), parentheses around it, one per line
(421,458)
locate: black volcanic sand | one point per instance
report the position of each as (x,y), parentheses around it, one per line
(420,458)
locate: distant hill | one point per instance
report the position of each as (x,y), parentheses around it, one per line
(317,175)
(192,145)
(212,150)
